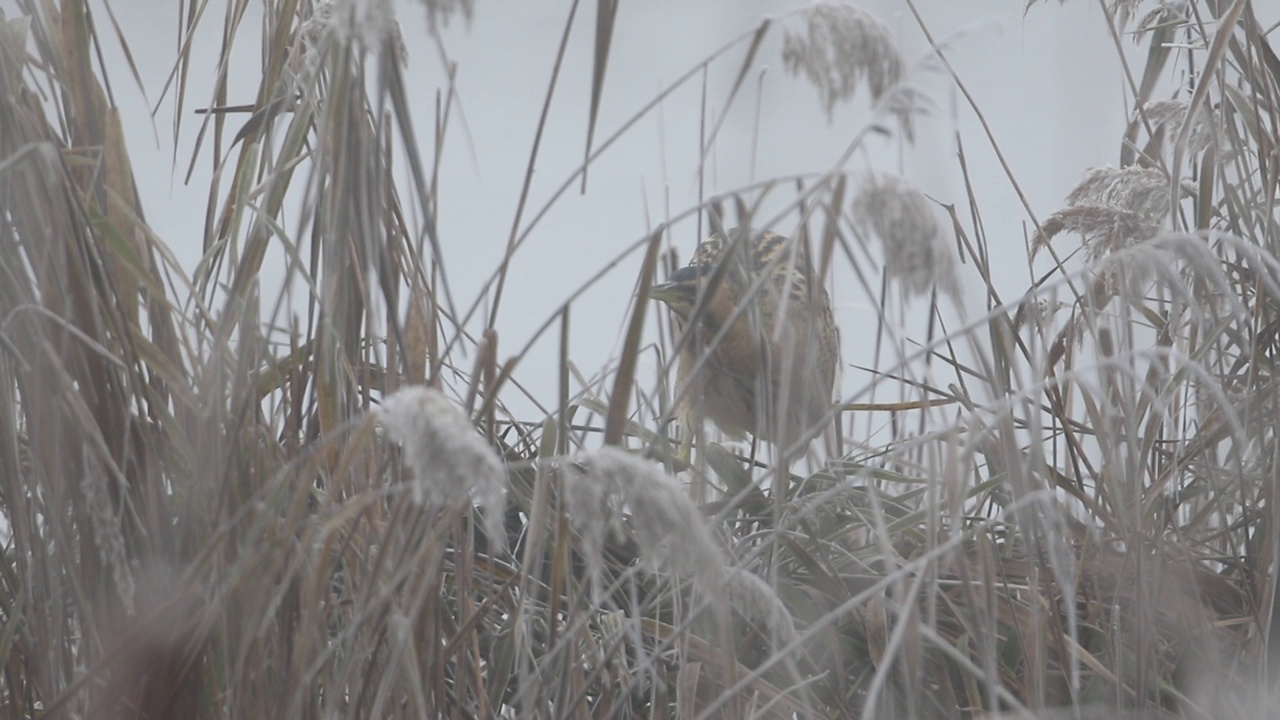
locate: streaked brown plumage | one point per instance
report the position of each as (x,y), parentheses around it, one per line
(768,360)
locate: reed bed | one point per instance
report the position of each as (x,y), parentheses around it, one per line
(219,504)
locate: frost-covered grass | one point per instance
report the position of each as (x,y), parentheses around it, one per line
(334,513)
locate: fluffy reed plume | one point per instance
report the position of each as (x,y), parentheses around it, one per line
(756,600)
(1122,10)
(440,12)
(670,531)
(1171,116)
(672,534)
(900,216)
(842,45)
(107,535)
(452,465)
(369,22)
(306,51)
(1144,191)
(1111,209)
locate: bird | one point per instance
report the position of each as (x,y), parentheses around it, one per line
(759,345)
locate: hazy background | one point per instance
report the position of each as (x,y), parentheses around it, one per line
(1049,83)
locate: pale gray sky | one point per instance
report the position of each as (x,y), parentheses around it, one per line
(1049,83)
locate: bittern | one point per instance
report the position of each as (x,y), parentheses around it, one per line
(759,344)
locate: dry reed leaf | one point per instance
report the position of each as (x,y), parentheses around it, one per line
(687,689)
(417,328)
(875,625)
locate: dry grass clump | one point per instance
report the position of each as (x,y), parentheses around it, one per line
(218,504)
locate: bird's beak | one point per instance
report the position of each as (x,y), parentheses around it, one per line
(679,289)
(665,292)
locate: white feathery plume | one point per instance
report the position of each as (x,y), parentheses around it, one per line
(893,210)
(452,464)
(841,46)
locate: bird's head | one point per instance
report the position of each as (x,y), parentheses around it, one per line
(726,262)
(680,291)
